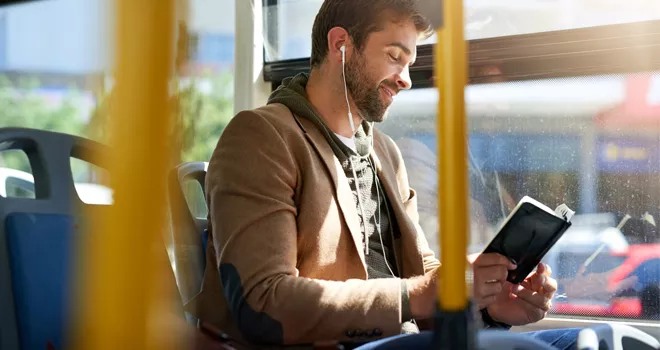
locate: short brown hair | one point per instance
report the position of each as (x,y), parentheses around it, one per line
(361,18)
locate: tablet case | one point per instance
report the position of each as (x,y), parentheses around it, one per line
(526,237)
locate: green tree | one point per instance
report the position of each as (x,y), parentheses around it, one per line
(22,105)
(205,107)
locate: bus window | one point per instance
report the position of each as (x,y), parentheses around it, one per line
(16,178)
(289,22)
(61,80)
(592,143)
(56,75)
(92,183)
(18,188)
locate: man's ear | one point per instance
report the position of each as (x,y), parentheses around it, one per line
(338,37)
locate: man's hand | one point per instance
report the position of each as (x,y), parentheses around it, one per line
(490,272)
(526,303)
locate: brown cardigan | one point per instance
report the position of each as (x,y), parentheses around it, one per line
(285,236)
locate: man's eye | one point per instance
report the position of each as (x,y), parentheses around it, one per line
(394,59)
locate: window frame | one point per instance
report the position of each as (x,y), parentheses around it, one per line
(602,50)
(15,2)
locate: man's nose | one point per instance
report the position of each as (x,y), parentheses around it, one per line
(403,79)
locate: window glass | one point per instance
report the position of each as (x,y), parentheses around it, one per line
(288,24)
(92,183)
(55,74)
(592,143)
(55,64)
(16,179)
(54,58)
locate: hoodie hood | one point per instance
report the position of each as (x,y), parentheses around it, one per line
(293,95)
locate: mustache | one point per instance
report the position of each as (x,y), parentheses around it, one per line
(393,86)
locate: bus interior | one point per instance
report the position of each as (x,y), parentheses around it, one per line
(562,103)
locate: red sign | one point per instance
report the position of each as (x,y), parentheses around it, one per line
(641,106)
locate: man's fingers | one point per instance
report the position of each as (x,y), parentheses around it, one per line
(548,270)
(537,281)
(550,286)
(549,292)
(493,259)
(526,284)
(541,282)
(485,290)
(544,269)
(536,299)
(490,274)
(540,269)
(545,285)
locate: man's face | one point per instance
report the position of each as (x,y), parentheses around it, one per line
(379,71)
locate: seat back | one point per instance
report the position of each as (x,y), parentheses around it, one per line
(189,222)
(37,240)
(614,336)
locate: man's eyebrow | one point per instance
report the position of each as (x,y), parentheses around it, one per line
(403,48)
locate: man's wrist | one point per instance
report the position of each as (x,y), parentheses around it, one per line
(421,306)
(406,313)
(414,296)
(490,322)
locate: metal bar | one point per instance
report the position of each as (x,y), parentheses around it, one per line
(15,2)
(250,88)
(122,285)
(566,53)
(451,78)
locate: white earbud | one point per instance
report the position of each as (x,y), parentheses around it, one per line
(343,68)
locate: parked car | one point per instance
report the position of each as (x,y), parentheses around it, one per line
(17,183)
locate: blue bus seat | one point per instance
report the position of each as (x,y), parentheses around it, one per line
(190,233)
(37,240)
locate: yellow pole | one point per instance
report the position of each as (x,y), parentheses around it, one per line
(451,77)
(122,288)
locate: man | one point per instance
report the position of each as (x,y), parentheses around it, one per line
(314,228)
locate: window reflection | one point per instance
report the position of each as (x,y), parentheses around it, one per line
(288,23)
(592,143)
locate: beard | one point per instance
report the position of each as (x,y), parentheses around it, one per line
(365,91)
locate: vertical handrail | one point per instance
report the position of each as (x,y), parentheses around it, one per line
(450,79)
(454,321)
(122,291)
